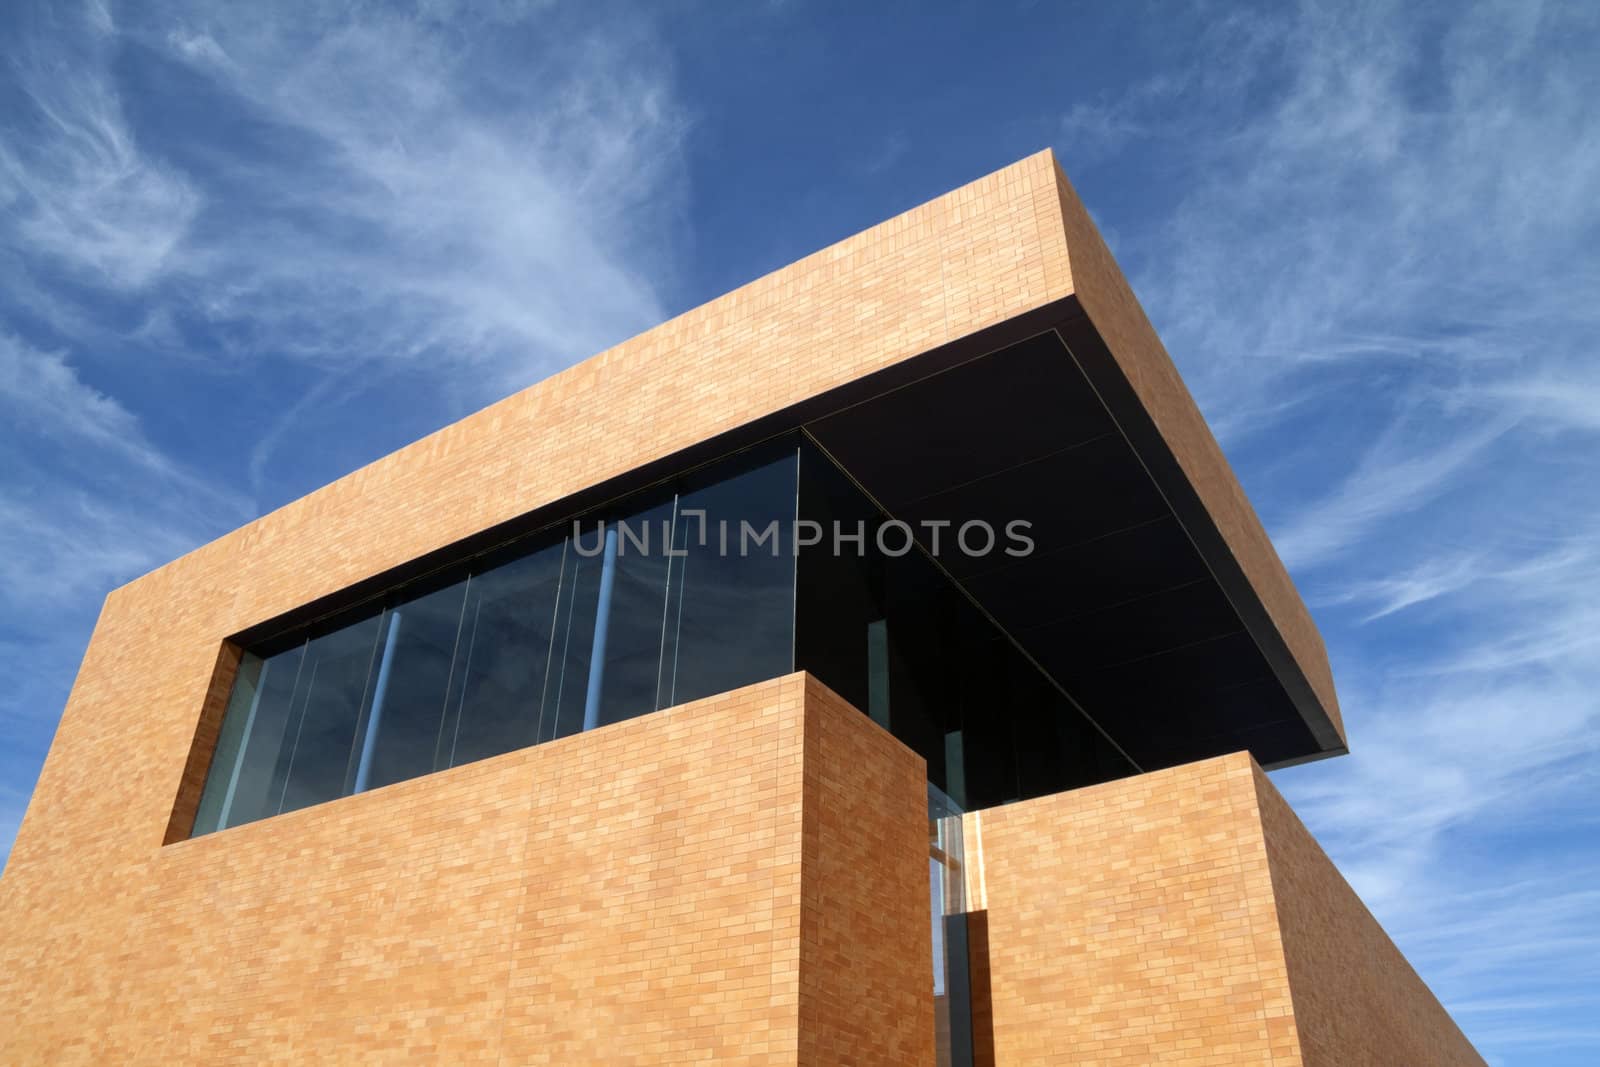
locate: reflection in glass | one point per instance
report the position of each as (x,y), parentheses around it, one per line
(503,652)
(318,759)
(239,790)
(567,691)
(420,635)
(731,614)
(628,676)
(504,659)
(243,706)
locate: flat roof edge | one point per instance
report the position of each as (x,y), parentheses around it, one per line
(1156,409)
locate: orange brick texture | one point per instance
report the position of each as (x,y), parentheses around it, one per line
(866,950)
(684,887)
(1356,999)
(1184,916)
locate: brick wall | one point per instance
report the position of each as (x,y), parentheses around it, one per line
(687,885)
(1133,923)
(1356,999)
(974,258)
(866,947)
(1186,916)
(89,851)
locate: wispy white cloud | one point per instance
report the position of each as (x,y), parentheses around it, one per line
(198,47)
(52,410)
(495,225)
(90,501)
(1390,480)
(406,208)
(1426,582)
(1093,130)
(78,187)
(891,150)
(1383,206)
(1551,402)
(40,388)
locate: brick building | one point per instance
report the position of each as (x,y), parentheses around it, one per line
(874,665)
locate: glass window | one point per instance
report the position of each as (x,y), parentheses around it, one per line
(629,612)
(243,703)
(572,643)
(688,589)
(240,790)
(731,610)
(317,761)
(540,639)
(404,718)
(505,658)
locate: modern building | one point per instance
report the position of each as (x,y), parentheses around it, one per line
(875,665)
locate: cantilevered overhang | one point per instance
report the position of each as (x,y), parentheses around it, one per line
(1133,598)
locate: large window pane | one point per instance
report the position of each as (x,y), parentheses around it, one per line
(319,761)
(404,717)
(503,666)
(506,650)
(239,785)
(637,610)
(572,641)
(730,619)
(242,738)
(230,743)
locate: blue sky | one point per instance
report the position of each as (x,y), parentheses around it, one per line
(245,249)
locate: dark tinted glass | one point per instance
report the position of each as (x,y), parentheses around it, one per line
(503,665)
(706,593)
(502,653)
(319,760)
(839,589)
(899,639)
(406,716)
(630,670)
(730,618)
(573,639)
(247,789)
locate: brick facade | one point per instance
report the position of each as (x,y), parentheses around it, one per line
(1184,916)
(1356,999)
(685,886)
